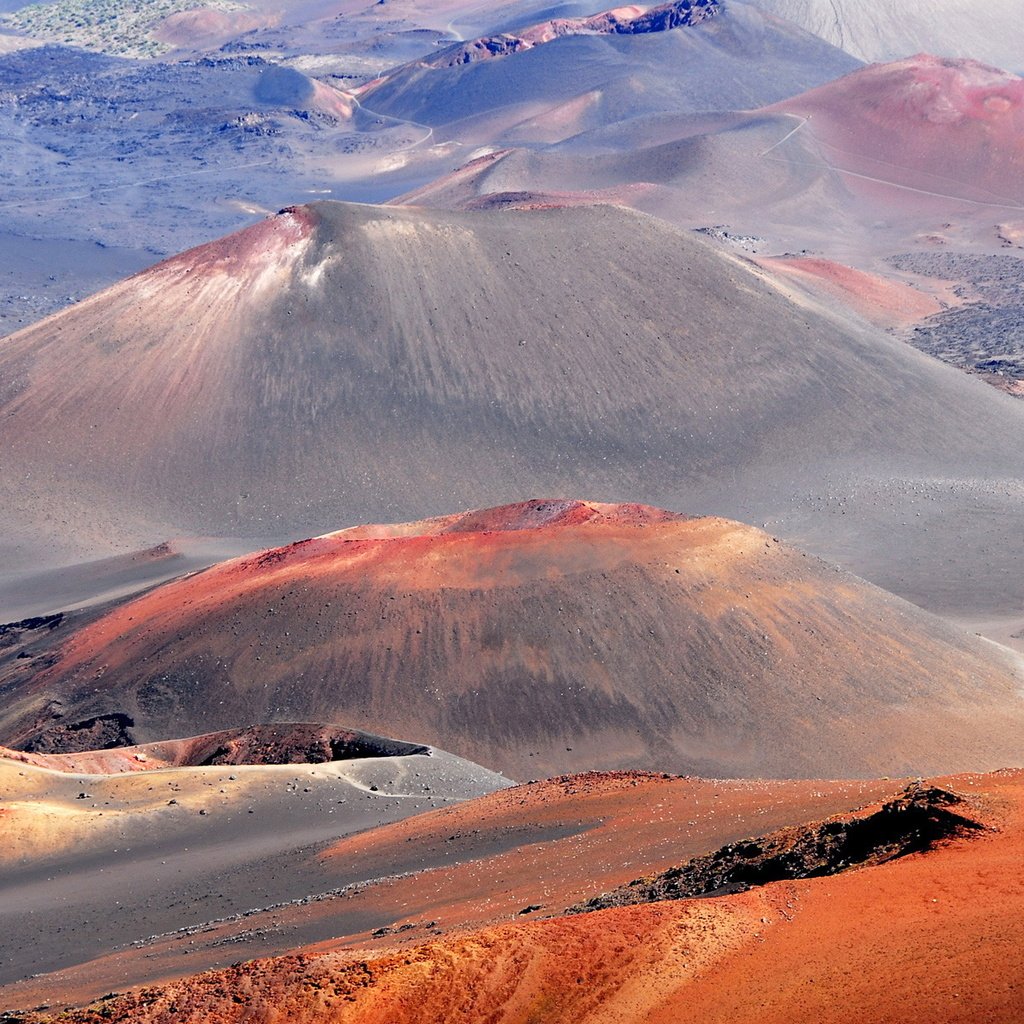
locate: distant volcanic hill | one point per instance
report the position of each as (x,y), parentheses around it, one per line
(620,21)
(875,158)
(952,128)
(342,363)
(543,637)
(552,78)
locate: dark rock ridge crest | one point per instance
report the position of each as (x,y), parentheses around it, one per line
(101,732)
(663,18)
(281,743)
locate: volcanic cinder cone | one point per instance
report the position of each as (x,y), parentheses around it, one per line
(545,637)
(940,130)
(339,364)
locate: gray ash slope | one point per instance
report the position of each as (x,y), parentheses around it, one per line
(990,31)
(160,855)
(344,364)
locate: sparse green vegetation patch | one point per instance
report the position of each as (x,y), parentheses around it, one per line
(122,28)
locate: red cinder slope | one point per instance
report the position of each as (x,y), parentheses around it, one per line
(544,846)
(544,637)
(930,936)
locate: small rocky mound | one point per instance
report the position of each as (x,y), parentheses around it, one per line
(12,633)
(915,821)
(104,744)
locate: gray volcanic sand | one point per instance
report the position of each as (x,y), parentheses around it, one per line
(39,276)
(34,592)
(92,875)
(347,364)
(880,161)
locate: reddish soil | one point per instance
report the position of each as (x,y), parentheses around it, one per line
(563,635)
(944,127)
(471,866)
(932,936)
(880,300)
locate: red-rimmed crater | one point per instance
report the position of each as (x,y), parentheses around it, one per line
(103,745)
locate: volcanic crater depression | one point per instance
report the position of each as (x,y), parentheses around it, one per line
(68,748)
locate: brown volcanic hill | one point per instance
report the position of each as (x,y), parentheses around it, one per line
(341,363)
(932,935)
(537,638)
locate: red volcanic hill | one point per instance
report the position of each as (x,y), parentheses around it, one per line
(953,128)
(537,638)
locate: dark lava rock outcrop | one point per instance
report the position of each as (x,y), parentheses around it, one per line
(915,821)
